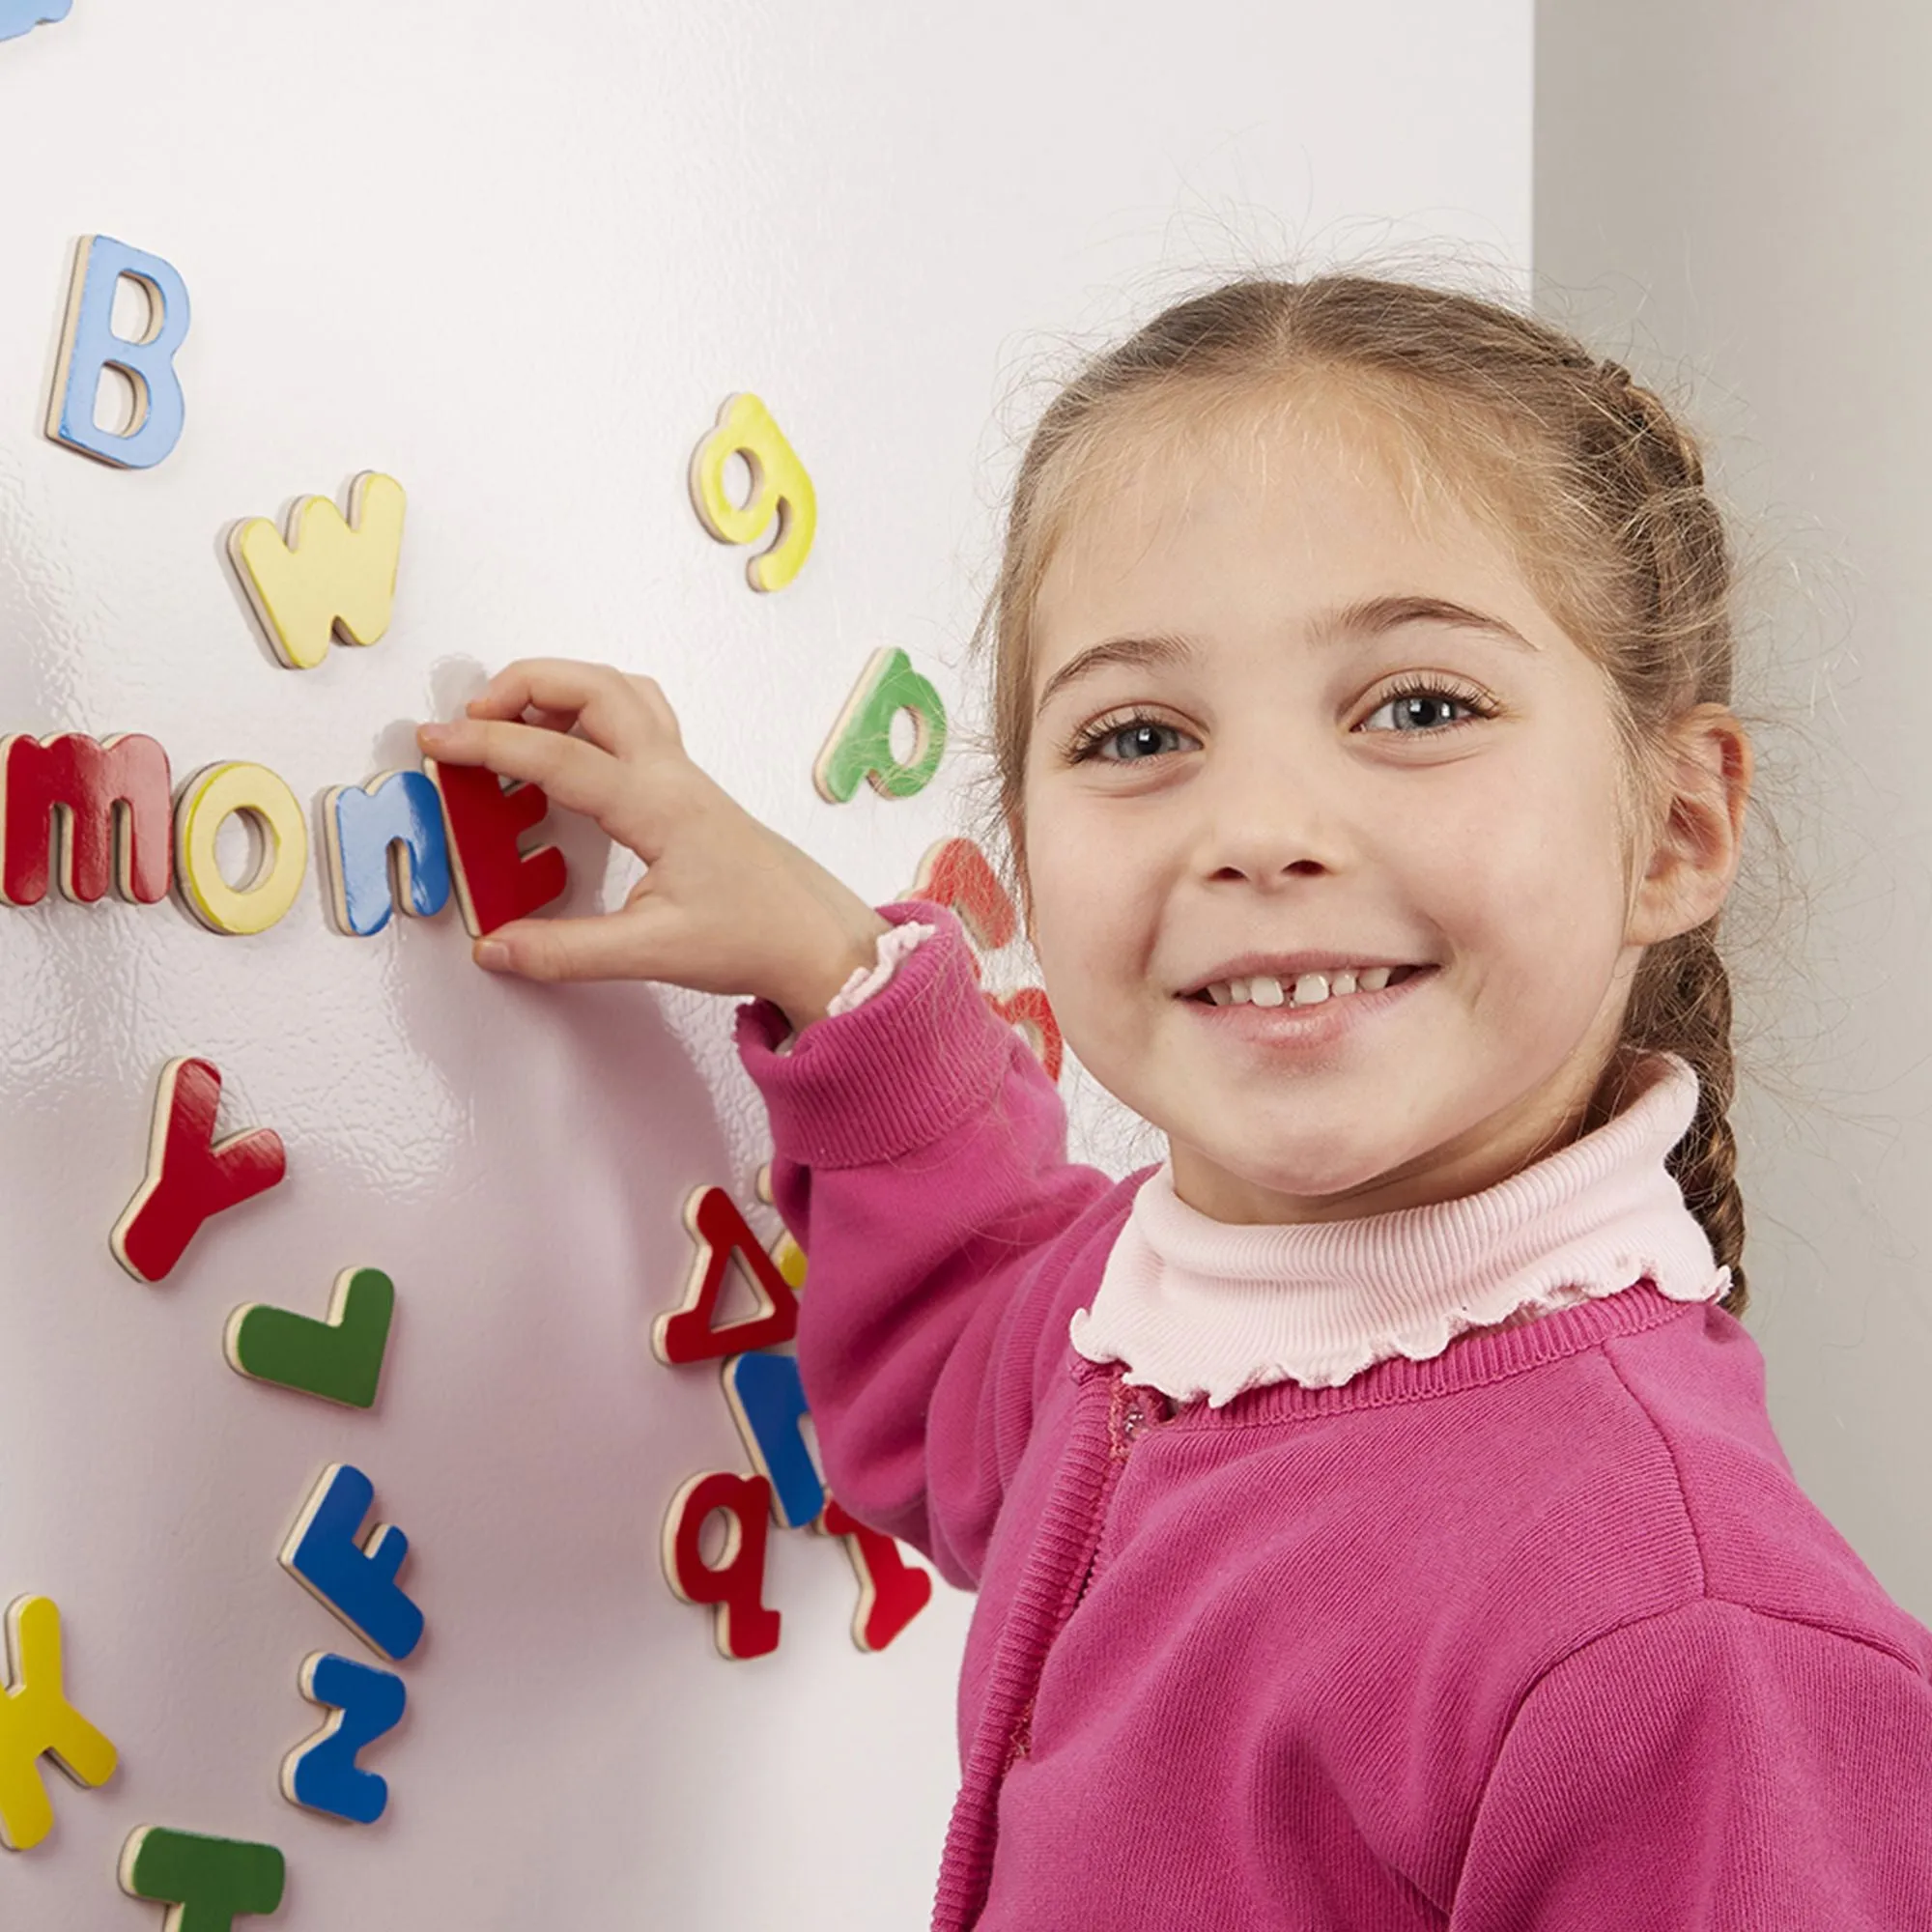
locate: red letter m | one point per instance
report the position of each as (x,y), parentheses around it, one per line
(114,806)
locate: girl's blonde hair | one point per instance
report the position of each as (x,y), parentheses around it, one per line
(1594,486)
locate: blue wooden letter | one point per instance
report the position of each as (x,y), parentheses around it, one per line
(362,826)
(322,1775)
(356,1581)
(768,1404)
(89,345)
(23,16)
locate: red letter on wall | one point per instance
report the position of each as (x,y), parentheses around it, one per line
(742,1627)
(495,880)
(690,1333)
(190,1174)
(1028,1007)
(96,790)
(955,873)
(892,1591)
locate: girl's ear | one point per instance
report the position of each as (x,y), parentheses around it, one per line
(1694,857)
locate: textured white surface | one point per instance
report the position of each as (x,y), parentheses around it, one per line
(517,257)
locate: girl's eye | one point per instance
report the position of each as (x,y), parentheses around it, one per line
(1416,704)
(1415,699)
(1138,737)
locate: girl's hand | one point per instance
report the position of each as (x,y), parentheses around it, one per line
(725,906)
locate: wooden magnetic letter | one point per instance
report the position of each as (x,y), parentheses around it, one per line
(322,1775)
(364,828)
(210,1881)
(767,1402)
(36,1721)
(892,1591)
(192,1176)
(339,1359)
(334,577)
(495,880)
(788,1258)
(207,799)
(89,345)
(1028,1009)
(106,808)
(687,1333)
(956,873)
(780,486)
(859,745)
(356,1581)
(23,16)
(743,1626)
(786,1255)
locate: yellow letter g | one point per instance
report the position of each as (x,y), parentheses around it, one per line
(780,487)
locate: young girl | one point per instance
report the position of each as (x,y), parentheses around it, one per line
(1374,1512)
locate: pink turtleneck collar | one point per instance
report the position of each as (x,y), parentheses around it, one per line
(1198,1307)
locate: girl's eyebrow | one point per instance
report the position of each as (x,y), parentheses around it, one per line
(1344,624)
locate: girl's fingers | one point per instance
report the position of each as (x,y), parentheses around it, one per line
(572,770)
(512,688)
(622,714)
(480,741)
(606,947)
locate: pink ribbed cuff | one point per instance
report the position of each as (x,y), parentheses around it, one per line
(893,943)
(921,1054)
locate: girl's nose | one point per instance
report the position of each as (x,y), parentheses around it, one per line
(1264,819)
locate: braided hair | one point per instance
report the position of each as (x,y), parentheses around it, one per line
(1682,999)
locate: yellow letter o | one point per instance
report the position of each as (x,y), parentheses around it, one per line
(208,800)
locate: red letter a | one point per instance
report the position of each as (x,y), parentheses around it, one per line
(688,1333)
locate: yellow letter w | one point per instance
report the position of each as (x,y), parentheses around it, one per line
(333,575)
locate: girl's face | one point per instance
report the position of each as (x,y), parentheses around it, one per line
(1277,714)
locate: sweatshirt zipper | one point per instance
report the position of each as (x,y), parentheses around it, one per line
(1079,1499)
(1130,1414)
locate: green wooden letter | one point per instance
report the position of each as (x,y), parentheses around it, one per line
(339,1359)
(212,1881)
(861,743)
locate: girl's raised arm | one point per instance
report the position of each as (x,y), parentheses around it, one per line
(726,905)
(920,1160)
(918,1146)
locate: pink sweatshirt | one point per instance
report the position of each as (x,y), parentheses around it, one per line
(1514,1630)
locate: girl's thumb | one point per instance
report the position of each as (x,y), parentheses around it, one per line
(602,947)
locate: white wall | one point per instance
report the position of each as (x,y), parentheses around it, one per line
(517,257)
(1736,192)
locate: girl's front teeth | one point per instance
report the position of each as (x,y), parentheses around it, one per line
(1309,991)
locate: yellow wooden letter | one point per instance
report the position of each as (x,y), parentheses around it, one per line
(786,1254)
(332,578)
(779,488)
(212,796)
(36,1721)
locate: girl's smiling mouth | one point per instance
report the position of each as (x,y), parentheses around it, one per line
(1314,1007)
(1298,986)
